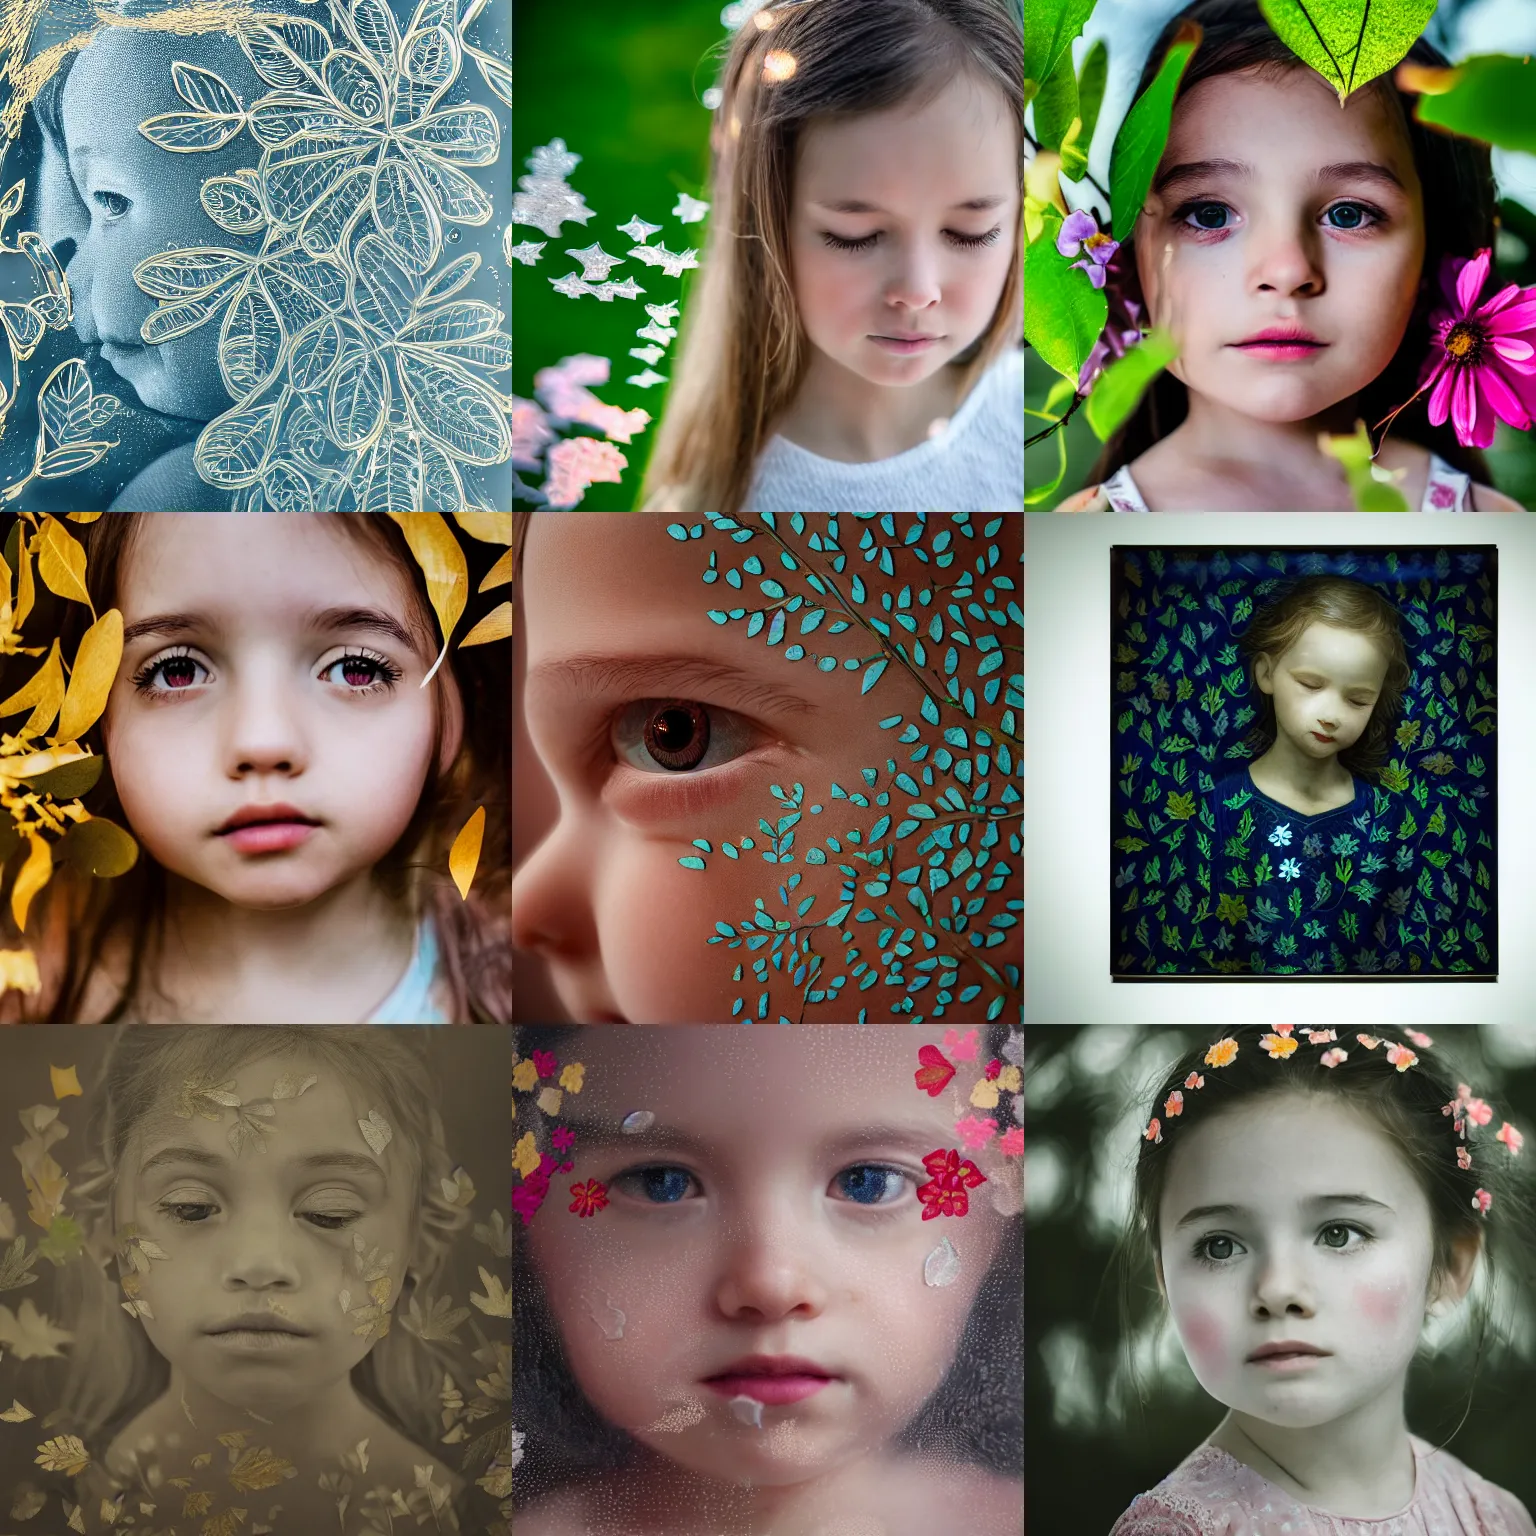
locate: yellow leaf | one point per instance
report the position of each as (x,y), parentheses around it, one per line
(499,574)
(496,625)
(64,1453)
(74,1518)
(202,1459)
(260,1469)
(35,874)
(497,1301)
(26,588)
(16,1414)
(571,1078)
(226,1524)
(82,517)
(198,1503)
(464,856)
(1010,1079)
(488,527)
(526,1156)
(66,1084)
(30,1335)
(43,695)
(61,562)
(95,672)
(524,1076)
(549,1101)
(984,1095)
(18,972)
(442,561)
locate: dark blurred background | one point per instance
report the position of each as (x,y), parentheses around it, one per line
(1089,1447)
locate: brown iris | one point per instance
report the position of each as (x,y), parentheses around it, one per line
(677,735)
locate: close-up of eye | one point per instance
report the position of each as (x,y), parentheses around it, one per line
(661,1184)
(113,204)
(871,1184)
(677,735)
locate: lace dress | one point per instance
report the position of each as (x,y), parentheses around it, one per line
(1446,490)
(1212,1494)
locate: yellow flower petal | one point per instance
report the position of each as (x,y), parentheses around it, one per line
(524,1075)
(1011,1080)
(464,856)
(65,1082)
(984,1094)
(549,1101)
(571,1077)
(526,1157)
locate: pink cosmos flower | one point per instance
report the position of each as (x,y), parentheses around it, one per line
(1334,1057)
(1510,1137)
(1080,232)
(563,1139)
(1481,1201)
(1482,362)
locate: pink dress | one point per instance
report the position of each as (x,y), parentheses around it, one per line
(1211,1494)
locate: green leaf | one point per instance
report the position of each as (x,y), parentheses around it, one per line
(1061,392)
(1049,27)
(1056,107)
(1121,385)
(1090,89)
(1063,311)
(1490,97)
(1349,42)
(1143,135)
(1373,488)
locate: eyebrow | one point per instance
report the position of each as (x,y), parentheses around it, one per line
(1313,1202)
(589,676)
(200,1157)
(1338,170)
(327,619)
(594,1134)
(855,205)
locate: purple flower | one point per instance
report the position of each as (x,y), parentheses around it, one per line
(1483,357)
(1080,232)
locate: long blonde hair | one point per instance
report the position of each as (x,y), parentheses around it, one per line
(743,353)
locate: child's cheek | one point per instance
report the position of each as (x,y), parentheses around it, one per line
(1204,1338)
(1381,1305)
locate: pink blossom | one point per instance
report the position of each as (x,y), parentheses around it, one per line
(1481,1201)
(1012,1142)
(563,1138)
(960,1047)
(1483,356)
(1419,1038)
(1463,1158)
(1334,1057)
(578,463)
(1080,232)
(976,1131)
(530,432)
(1510,1137)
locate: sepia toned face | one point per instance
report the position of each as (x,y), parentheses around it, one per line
(234,1235)
(1297,1221)
(284,668)
(769,1210)
(1324,688)
(1273,208)
(915,260)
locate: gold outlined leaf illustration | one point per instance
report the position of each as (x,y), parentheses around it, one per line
(461,200)
(464,856)
(287,489)
(184,132)
(359,397)
(189,273)
(314,355)
(286,53)
(203,89)
(232,448)
(250,342)
(465,135)
(498,74)
(406,217)
(234,202)
(356,83)
(453,406)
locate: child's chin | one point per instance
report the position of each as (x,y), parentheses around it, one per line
(147,384)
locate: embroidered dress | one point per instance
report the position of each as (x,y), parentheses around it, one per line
(411,1002)
(1446,490)
(1211,1494)
(975,465)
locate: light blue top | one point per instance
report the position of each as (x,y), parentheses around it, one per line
(411,1001)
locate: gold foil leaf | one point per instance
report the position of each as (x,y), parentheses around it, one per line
(16,1414)
(497,1301)
(464,856)
(203,1097)
(290,1086)
(64,1453)
(260,1469)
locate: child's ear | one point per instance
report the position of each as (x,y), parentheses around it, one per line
(1264,674)
(1457,1279)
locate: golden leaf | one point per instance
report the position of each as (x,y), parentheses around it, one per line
(464,856)
(42,694)
(82,517)
(499,575)
(260,1469)
(29,1501)
(111,1509)
(441,1321)
(488,527)
(498,1481)
(549,1100)
(61,563)
(496,625)
(525,1157)
(198,1503)
(376,1132)
(64,1453)
(442,561)
(497,1301)
(233,1439)
(16,1414)
(30,1334)
(35,874)
(226,1524)
(65,1083)
(26,588)
(291,1086)
(91,681)
(18,973)
(201,1096)
(379,1289)
(74,1518)
(524,1075)
(202,1459)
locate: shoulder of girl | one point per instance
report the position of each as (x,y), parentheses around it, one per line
(1149,1516)
(1090,499)
(1486,499)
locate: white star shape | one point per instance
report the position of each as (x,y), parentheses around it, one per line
(648,354)
(553,160)
(570,285)
(638,230)
(647,379)
(689,210)
(528,252)
(596,263)
(548,204)
(654,332)
(646,253)
(675,263)
(628,289)
(663,314)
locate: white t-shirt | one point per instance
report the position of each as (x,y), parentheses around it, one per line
(975,465)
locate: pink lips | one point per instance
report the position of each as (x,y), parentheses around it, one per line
(269,836)
(1282,343)
(1287,1355)
(771,1379)
(904,346)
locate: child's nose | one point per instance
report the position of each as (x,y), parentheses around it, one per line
(768,1276)
(551,913)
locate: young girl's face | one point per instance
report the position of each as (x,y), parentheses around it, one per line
(1324,688)
(272,662)
(121,199)
(1295,1221)
(617,632)
(926,264)
(770,1210)
(1275,210)
(266,1234)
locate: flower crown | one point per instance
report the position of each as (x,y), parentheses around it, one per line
(1282,1045)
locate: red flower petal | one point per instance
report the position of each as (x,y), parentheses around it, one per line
(935,1072)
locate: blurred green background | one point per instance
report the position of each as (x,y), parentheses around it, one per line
(622,84)
(1089,1449)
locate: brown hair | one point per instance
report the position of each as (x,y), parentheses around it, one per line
(1347,604)
(743,353)
(1460,219)
(78,915)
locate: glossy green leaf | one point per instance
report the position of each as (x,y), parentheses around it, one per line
(1349,42)
(1143,135)
(1490,97)
(1063,312)
(1049,28)
(1117,391)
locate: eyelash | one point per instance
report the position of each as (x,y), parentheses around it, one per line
(910,1180)
(386,673)
(725,727)
(99,197)
(1200,1256)
(1378,215)
(963,242)
(1316,687)
(320,1219)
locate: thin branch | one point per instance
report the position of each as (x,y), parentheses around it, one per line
(1057,425)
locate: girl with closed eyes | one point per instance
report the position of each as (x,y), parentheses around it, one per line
(748,1306)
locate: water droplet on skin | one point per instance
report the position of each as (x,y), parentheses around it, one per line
(748,1410)
(453,236)
(640,1120)
(608,1318)
(942,1266)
